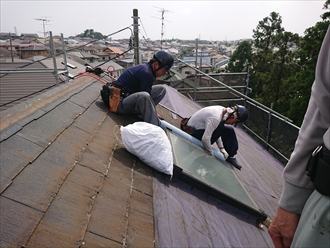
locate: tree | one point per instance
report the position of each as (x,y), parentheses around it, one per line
(281,76)
(264,43)
(301,82)
(326,16)
(241,58)
(281,68)
(92,34)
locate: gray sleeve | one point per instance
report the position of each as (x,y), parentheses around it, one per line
(297,185)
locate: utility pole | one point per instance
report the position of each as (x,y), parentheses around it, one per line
(11,48)
(195,85)
(136,36)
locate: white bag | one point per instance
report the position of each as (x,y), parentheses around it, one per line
(150,144)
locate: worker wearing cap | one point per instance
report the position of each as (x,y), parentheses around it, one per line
(208,125)
(139,94)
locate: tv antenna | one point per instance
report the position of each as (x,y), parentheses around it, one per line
(162,18)
(44,22)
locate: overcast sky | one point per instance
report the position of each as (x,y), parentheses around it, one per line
(207,20)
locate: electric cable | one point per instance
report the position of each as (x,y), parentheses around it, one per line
(109,73)
(74,48)
(144,32)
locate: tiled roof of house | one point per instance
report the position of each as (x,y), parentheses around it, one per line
(18,87)
(115,50)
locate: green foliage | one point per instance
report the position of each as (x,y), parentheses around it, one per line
(279,74)
(92,34)
(301,82)
(241,58)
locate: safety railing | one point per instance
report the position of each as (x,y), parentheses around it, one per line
(273,131)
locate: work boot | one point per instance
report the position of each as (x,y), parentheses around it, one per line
(233,161)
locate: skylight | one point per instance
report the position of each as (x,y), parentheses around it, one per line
(216,178)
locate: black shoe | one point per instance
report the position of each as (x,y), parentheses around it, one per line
(233,161)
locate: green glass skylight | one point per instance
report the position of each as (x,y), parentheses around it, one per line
(210,174)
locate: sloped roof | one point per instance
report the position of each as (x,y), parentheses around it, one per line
(108,64)
(113,49)
(5,52)
(78,68)
(18,87)
(82,54)
(67,180)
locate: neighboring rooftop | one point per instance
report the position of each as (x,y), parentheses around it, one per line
(18,87)
(66,180)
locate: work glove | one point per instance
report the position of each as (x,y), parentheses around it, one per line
(224,152)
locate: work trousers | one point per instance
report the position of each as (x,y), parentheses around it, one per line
(143,103)
(314,225)
(227,134)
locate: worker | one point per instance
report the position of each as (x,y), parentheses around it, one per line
(208,125)
(139,96)
(303,215)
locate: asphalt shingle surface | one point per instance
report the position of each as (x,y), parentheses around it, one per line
(66,179)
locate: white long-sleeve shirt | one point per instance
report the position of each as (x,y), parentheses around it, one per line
(208,118)
(315,131)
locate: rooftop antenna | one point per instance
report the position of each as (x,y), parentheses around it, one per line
(162,18)
(44,22)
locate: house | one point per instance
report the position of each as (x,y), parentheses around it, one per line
(114,52)
(28,37)
(111,68)
(204,59)
(186,70)
(221,66)
(103,56)
(34,50)
(126,62)
(87,57)
(14,45)
(6,36)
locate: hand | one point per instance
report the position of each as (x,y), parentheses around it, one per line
(224,152)
(283,227)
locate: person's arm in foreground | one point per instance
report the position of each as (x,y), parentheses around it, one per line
(297,185)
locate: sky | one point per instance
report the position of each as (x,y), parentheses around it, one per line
(205,20)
